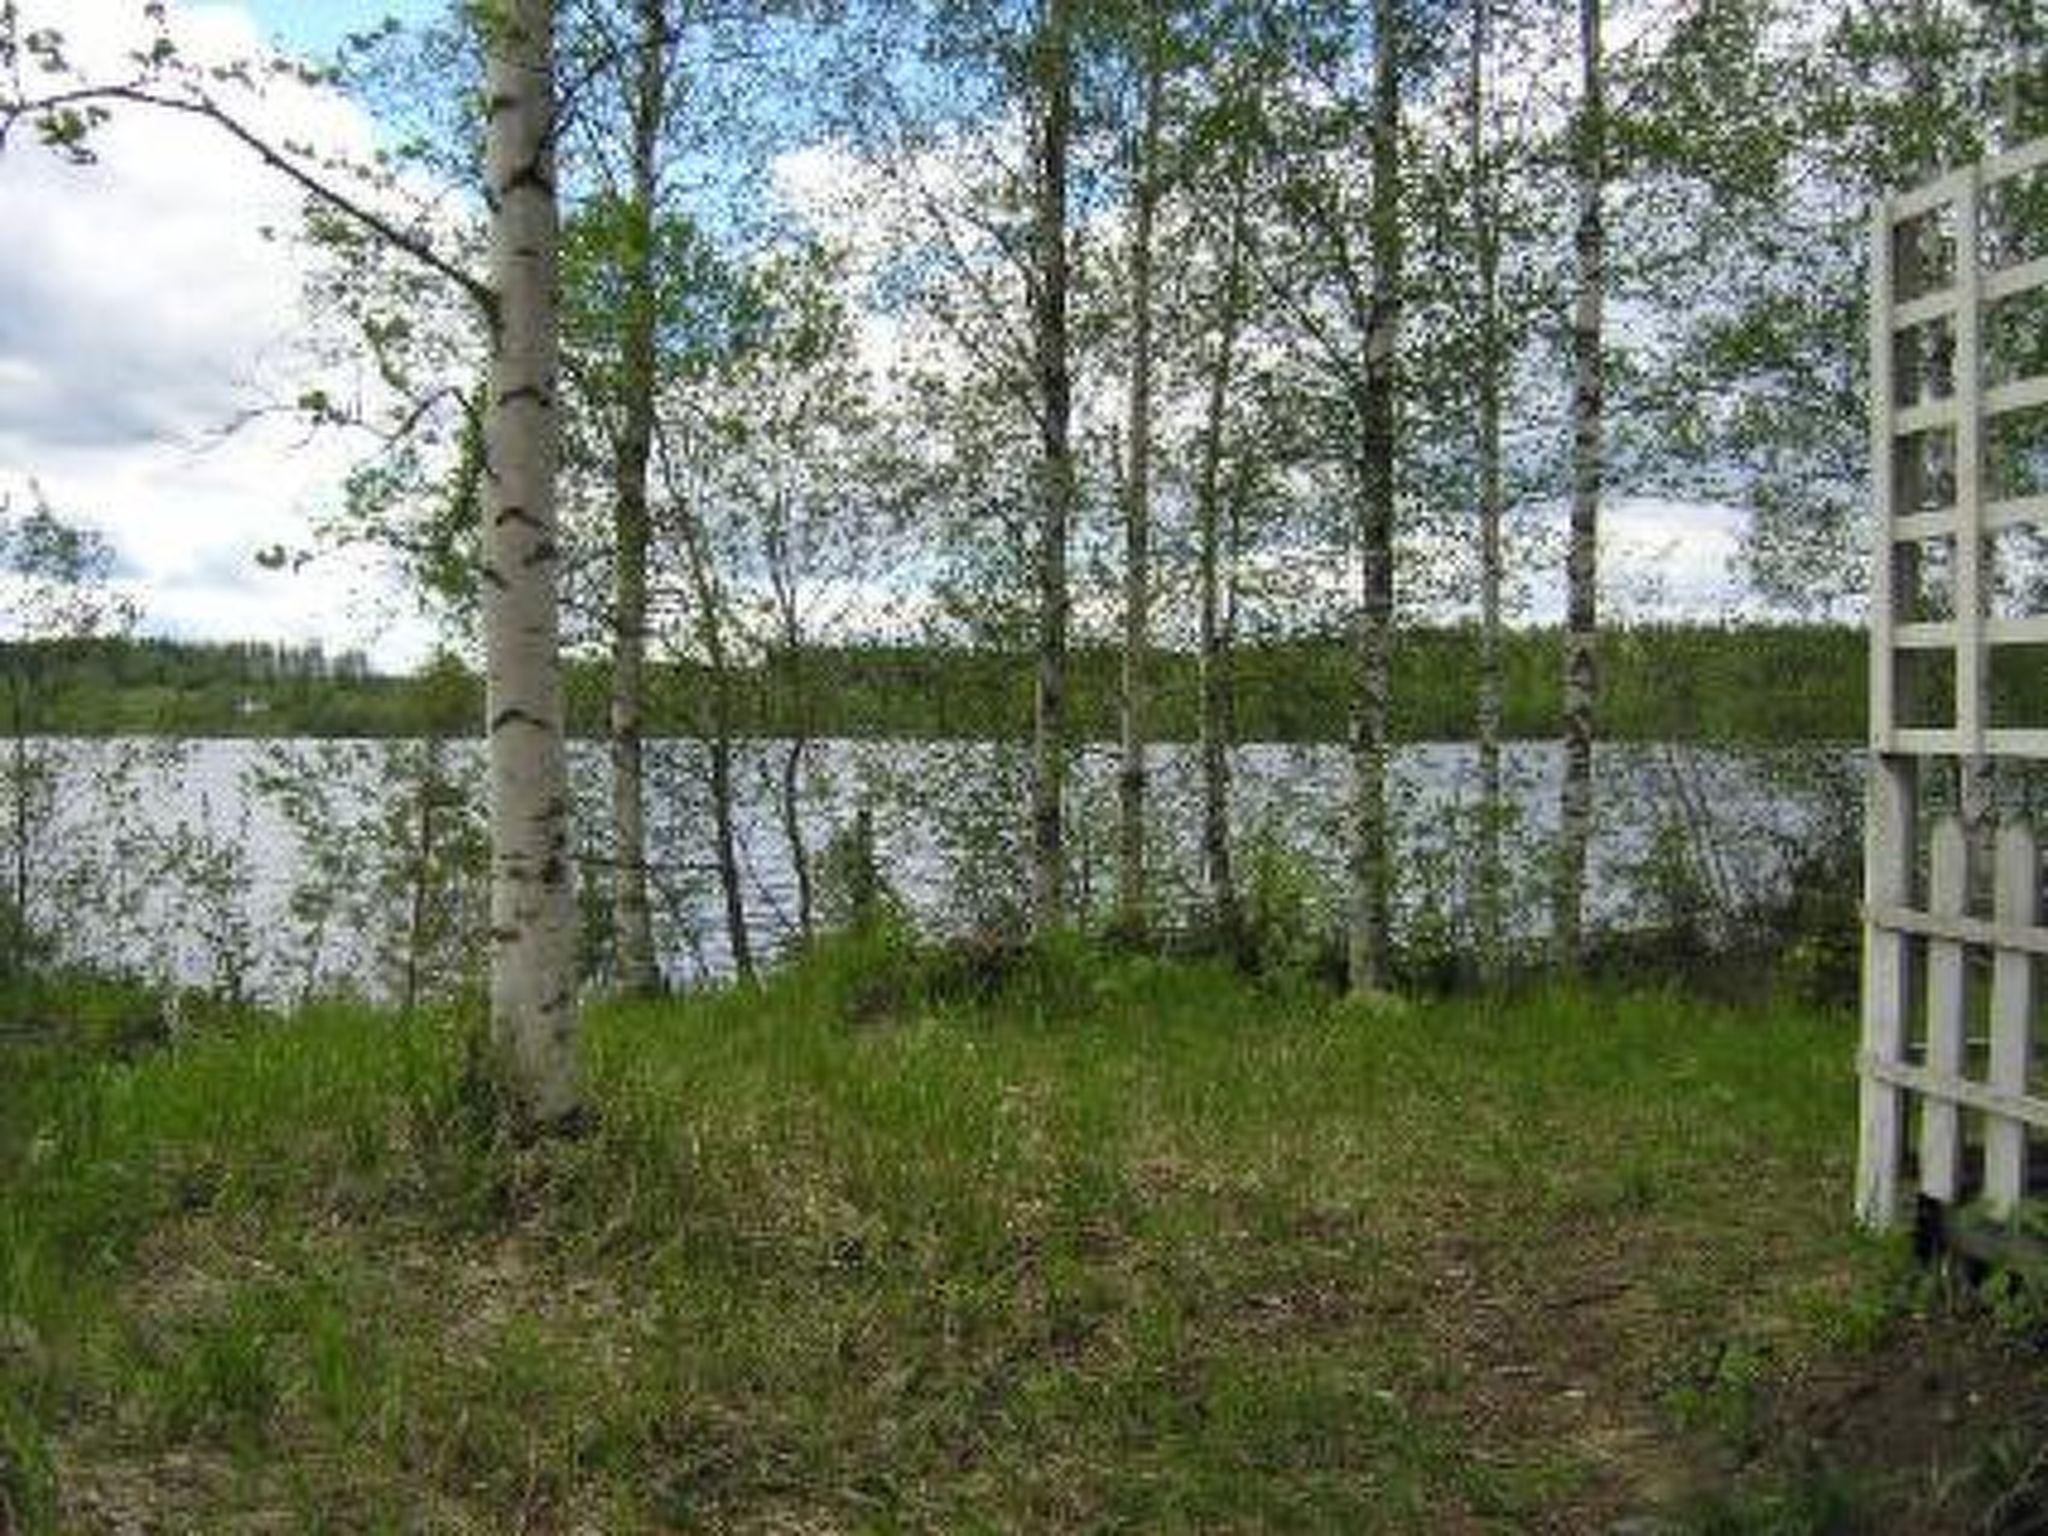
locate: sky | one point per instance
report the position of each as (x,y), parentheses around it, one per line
(315,27)
(148,334)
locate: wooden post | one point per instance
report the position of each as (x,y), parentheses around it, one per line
(1887,982)
(2017,904)
(1884,474)
(1972,669)
(1941,1122)
(1889,818)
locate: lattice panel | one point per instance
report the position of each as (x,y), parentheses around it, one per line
(1952,1098)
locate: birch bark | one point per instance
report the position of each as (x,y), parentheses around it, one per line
(1486,260)
(632,924)
(1370,873)
(1053,49)
(1575,818)
(533,1002)
(1137,637)
(1213,565)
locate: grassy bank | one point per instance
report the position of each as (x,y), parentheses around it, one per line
(1054,1243)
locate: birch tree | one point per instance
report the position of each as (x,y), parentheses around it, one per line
(1215,549)
(1371,877)
(1575,810)
(1489,365)
(713,632)
(1331,269)
(806,471)
(713,320)
(533,1016)
(533,1001)
(1134,724)
(632,926)
(1053,79)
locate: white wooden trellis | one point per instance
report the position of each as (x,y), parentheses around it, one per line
(1933,1037)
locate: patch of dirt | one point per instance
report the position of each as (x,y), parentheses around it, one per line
(1944,1426)
(1939,1429)
(1544,1373)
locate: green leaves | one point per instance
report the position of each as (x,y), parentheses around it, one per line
(64,130)
(707,308)
(55,577)
(45,48)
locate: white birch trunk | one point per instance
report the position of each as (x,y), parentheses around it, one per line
(1575,820)
(1054,70)
(1219,883)
(1371,875)
(1486,260)
(533,1001)
(1137,637)
(632,920)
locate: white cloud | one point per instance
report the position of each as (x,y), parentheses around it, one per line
(144,309)
(1673,560)
(145,312)
(1660,561)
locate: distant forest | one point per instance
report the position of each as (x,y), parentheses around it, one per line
(1763,684)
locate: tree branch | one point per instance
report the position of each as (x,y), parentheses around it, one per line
(201,105)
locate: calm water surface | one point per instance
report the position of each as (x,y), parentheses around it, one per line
(289,860)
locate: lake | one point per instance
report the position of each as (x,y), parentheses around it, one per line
(281,869)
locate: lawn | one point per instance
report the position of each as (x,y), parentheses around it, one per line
(1054,1241)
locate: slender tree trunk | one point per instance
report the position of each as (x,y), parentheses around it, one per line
(1137,683)
(1053,47)
(1219,885)
(422,873)
(793,759)
(16,691)
(704,587)
(632,922)
(533,993)
(1220,706)
(725,833)
(1371,867)
(1575,820)
(782,581)
(1486,257)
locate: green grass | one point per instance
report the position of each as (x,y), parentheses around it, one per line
(1078,1242)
